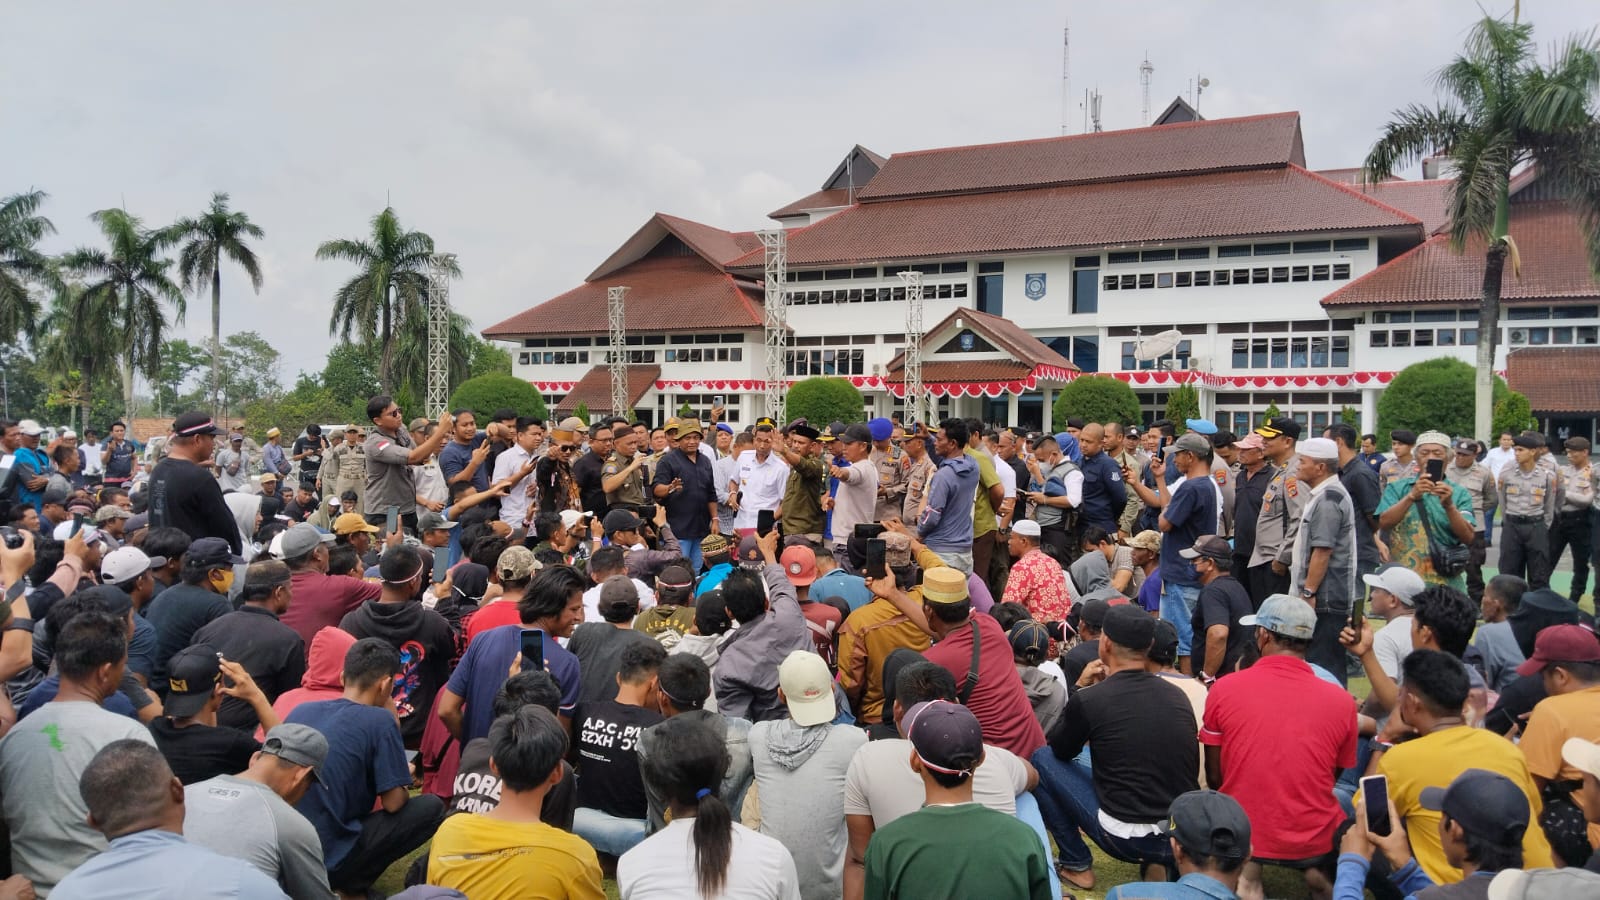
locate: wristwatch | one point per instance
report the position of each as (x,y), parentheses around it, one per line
(1308,593)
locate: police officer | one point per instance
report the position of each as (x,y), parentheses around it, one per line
(1572,527)
(1402,466)
(888,459)
(1465,470)
(346,468)
(1281,507)
(1528,495)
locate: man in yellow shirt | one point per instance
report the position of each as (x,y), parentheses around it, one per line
(1568,659)
(508,853)
(877,629)
(1432,695)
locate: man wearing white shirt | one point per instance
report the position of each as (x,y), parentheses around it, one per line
(1495,461)
(516,463)
(763,475)
(94,469)
(606,562)
(725,472)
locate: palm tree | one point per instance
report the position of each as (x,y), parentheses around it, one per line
(22,266)
(390,289)
(1502,110)
(218,234)
(81,337)
(411,353)
(124,288)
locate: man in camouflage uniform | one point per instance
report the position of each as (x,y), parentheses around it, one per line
(1466,471)
(346,468)
(887,458)
(1281,507)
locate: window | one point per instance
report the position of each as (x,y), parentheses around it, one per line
(1297,352)
(1272,249)
(1350,244)
(1528,313)
(1220,277)
(1109,284)
(1236,250)
(1587,334)
(955,268)
(1128,361)
(1202,279)
(1400,339)
(1538,335)
(1561,336)
(1319,273)
(1280,274)
(1129,282)
(991,268)
(1257,276)
(1300,273)
(1123,257)
(1158,255)
(1194,253)
(991,290)
(1311,246)
(1164,280)
(1319,352)
(1379,339)
(1341,271)
(1280,353)
(1184,279)
(1241,354)
(1447,337)
(1422,337)
(1576,312)
(1085,291)
(1258,354)
(1086,353)
(1082,262)
(1469,337)
(1147,280)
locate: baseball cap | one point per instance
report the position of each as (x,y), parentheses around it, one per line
(1582,755)
(1029,639)
(807,688)
(432,521)
(1149,539)
(687,427)
(192,677)
(1402,436)
(675,577)
(298,540)
(106,513)
(570,519)
(856,433)
(573,423)
(352,523)
(946,736)
(1093,613)
(1397,580)
(1251,441)
(1543,884)
(1192,441)
(30,428)
(1561,643)
(299,744)
(235,438)
(942,584)
(620,520)
(1130,626)
(68,433)
(749,550)
(516,563)
(1528,441)
(714,545)
(1284,615)
(127,563)
(1487,804)
(211,553)
(1025,528)
(1280,426)
(881,429)
(618,589)
(800,564)
(191,424)
(63,532)
(1203,426)
(1164,645)
(1210,546)
(1319,448)
(55,495)
(1209,823)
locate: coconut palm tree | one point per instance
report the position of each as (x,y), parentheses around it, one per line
(1501,110)
(22,267)
(390,289)
(125,287)
(204,243)
(80,339)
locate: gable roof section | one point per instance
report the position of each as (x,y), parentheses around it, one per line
(1217,145)
(1554,266)
(594,389)
(1177,111)
(860,164)
(1027,351)
(1556,379)
(1285,200)
(1427,200)
(825,199)
(716,246)
(666,294)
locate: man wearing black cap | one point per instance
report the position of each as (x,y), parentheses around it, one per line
(1278,523)
(182,493)
(1219,638)
(1529,493)
(273,654)
(1402,465)
(1210,837)
(187,734)
(855,501)
(179,611)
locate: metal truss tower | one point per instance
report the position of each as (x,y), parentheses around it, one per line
(915,396)
(439,334)
(619,352)
(776,242)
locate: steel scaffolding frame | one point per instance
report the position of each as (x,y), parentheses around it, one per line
(619,358)
(915,396)
(776,242)
(439,334)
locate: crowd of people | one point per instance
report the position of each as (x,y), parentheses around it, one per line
(815,660)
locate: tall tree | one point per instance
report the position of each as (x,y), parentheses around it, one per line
(22,266)
(219,234)
(125,286)
(390,288)
(1500,110)
(78,338)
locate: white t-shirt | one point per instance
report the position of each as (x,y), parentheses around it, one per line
(662,866)
(1392,644)
(91,459)
(761,486)
(880,783)
(591,600)
(1008,475)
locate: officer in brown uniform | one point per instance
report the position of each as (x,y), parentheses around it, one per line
(1281,506)
(886,457)
(916,468)
(1572,528)
(1528,495)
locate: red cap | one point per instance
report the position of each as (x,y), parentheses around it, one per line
(1561,643)
(800,564)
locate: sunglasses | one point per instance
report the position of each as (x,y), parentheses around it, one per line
(569,447)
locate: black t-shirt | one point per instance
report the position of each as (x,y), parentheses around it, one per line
(1249,491)
(177,614)
(608,757)
(186,497)
(311,463)
(199,752)
(687,509)
(591,492)
(1145,740)
(477,790)
(273,654)
(1074,660)
(1222,602)
(598,647)
(1361,483)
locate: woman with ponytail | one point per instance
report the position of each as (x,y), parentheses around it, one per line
(702,852)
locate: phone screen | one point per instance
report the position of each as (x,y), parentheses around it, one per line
(877,566)
(1358,613)
(1375,794)
(764,522)
(77,523)
(1436,470)
(441,565)
(394,520)
(533,649)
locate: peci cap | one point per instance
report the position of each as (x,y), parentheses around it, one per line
(192,677)
(1528,441)
(945,736)
(724,427)
(298,744)
(1193,442)
(804,430)
(1319,448)
(1559,644)
(194,424)
(1403,436)
(1149,539)
(516,563)
(1285,616)
(1210,546)
(1544,884)
(1128,625)
(212,553)
(807,688)
(1398,580)
(432,521)
(714,545)
(127,563)
(1487,804)
(1434,437)
(799,564)
(620,520)
(298,540)
(273,432)
(880,429)
(1209,823)
(1280,426)
(1027,528)
(942,584)
(353,523)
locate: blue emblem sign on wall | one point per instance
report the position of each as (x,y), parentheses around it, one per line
(968,340)
(1033,285)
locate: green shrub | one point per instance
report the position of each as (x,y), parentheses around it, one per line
(487,393)
(1096,398)
(823,400)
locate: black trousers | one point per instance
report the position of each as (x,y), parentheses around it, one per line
(1525,550)
(1479,550)
(1574,531)
(1262,583)
(385,837)
(1325,649)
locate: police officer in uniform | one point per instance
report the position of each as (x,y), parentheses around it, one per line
(1281,507)
(1528,495)
(346,468)
(887,459)
(1476,479)
(1572,527)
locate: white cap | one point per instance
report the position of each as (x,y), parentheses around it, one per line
(127,563)
(30,428)
(69,433)
(1397,580)
(570,519)
(1026,528)
(807,688)
(63,531)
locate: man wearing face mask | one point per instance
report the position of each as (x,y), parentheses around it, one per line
(202,595)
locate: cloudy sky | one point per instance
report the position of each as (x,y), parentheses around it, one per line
(532,138)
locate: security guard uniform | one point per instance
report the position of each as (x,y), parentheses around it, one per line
(346,470)
(1528,498)
(891,481)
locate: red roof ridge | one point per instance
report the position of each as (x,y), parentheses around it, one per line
(1201,123)
(1350,189)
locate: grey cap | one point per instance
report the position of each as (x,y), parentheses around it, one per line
(301,745)
(303,538)
(432,521)
(1284,615)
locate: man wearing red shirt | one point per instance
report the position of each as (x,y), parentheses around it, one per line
(1036,580)
(1276,738)
(320,600)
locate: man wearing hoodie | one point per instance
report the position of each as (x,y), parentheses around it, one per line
(673,615)
(946,523)
(800,763)
(423,637)
(771,626)
(323,677)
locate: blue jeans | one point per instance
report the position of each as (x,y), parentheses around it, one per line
(1177,606)
(1068,803)
(607,833)
(691,552)
(1028,814)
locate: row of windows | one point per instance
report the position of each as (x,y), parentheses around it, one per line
(890,271)
(873,295)
(700,405)
(1513,313)
(555,358)
(1274,248)
(1219,277)
(636,340)
(804,363)
(707,354)
(1291,353)
(1424,337)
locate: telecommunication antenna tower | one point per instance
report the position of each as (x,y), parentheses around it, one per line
(439,333)
(619,353)
(1066,74)
(913,372)
(1145,71)
(1094,109)
(776,242)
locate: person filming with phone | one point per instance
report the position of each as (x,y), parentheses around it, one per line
(1429,520)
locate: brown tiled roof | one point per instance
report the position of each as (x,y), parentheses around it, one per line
(594,389)
(952,372)
(818,200)
(1184,148)
(1027,351)
(1554,266)
(1427,200)
(667,294)
(713,243)
(1556,379)
(1198,207)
